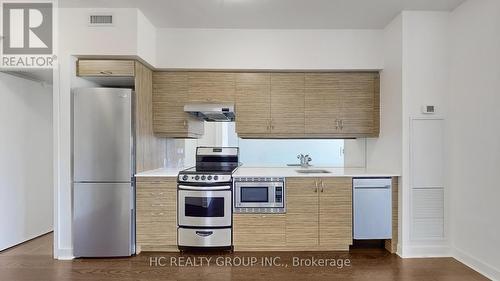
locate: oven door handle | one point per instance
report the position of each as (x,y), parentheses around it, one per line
(197,188)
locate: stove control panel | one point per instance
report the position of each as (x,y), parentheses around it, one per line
(201,178)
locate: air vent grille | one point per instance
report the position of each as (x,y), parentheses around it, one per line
(100,19)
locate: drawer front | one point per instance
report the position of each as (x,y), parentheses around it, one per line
(106,68)
(256,231)
(220,237)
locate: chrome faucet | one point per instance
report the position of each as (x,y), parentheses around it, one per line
(304,160)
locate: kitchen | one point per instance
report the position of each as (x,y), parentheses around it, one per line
(212,135)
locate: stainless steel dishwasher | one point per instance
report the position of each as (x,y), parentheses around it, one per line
(372,208)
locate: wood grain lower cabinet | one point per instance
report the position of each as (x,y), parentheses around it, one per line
(335,213)
(319,214)
(156,214)
(252,232)
(170,94)
(301,212)
(105,68)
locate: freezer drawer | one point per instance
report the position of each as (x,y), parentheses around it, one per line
(372,209)
(103,216)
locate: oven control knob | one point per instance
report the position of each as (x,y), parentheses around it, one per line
(197,178)
(202,178)
(216,178)
(184,178)
(209,178)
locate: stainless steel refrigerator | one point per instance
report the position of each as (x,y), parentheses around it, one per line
(103,173)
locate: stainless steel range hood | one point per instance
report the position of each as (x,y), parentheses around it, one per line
(211,112)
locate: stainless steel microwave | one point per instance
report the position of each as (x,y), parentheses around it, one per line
(259,195)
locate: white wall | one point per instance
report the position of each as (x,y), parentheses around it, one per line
(146,39)
(269,49)
(414,73)
(425,74)
(26,188)
(385,151)
(474,134)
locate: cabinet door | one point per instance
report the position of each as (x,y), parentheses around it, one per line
(156,219)
(105,68)
(170,92)
(211,87)
(359,100)
(253,103)
(287,104)
(259,232)
(301,212)
(335,213)
(322,103)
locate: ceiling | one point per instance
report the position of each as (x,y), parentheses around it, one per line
(270,14)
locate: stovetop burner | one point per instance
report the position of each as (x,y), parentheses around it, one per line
(213,165)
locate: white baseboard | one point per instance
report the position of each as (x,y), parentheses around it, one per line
(479,266)
(65,254)
(426,251)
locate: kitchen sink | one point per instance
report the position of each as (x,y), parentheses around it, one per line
(313,171)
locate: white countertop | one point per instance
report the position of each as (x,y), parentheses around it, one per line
(244,171)
(292,172)
(161,172)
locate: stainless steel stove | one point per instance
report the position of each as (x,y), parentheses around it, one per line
(204,200)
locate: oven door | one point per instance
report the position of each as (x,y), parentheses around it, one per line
(204,208)
(254,194)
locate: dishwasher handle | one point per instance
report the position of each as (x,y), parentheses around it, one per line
(373,187)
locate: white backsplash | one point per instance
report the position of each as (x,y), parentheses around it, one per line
(181,152)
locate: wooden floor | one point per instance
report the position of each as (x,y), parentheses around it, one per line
(33,261)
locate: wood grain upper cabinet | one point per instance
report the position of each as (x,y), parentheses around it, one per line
(211,87)
(359,108)
(170,93)
(122,68)
(156,214)
(302,212)
(287,104)
(322,103)
(335,213)
(342,104)
(253,103)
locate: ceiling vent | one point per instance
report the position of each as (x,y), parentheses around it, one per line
(100,20)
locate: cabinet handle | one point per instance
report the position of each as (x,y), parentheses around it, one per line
(268,125)
(322,185)
(185,123)
(336,124)
(157,214)
(272,125)
(106,72)
(157,205)
(155,194)
(341,124)
(316,183)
